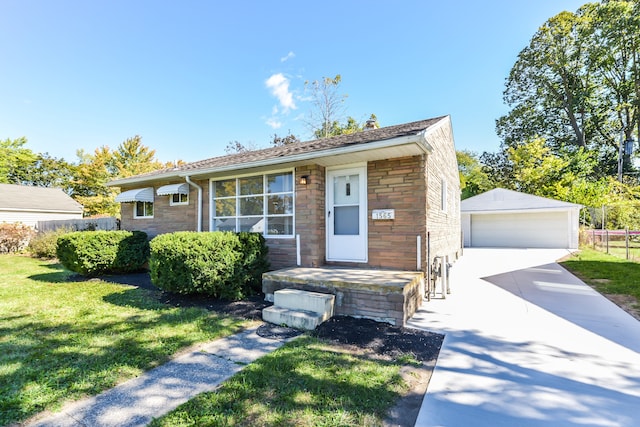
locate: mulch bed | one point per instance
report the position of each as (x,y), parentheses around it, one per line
(380,338)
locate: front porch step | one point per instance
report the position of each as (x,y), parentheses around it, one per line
(299,309)
(298,319)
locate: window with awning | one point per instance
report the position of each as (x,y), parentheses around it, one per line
(137,195)
(168,190)
(178,193)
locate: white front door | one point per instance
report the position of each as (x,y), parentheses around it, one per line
(346,214)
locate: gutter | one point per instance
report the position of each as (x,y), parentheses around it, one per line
(193,184)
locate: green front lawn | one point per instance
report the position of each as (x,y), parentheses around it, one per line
(606,273)
(304,383)
(61,340)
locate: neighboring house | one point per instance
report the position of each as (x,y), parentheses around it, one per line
(381,198)
(28,204)
(506,218)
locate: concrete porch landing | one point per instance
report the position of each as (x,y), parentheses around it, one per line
(384,295)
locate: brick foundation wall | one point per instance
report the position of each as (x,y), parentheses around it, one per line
(282,253)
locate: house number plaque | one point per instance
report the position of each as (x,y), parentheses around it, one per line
(381,214)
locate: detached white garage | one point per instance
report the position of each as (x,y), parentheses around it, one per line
(505,218)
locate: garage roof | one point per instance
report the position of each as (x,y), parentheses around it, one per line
(502,200)
(36,199)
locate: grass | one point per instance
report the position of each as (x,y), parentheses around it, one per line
(61,340)
(606,273)
(304,383)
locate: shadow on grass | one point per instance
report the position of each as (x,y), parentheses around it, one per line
(46,364)
(302,383)
(59,273)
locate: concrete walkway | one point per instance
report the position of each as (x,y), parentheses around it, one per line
(529,344)
(156,392)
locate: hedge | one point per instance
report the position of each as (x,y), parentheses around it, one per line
(218,264)
(93,253)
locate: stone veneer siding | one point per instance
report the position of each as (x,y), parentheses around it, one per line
(397,184)
(444,226)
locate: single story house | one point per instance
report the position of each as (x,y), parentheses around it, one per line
(506,218)
(380,198)
(28,204)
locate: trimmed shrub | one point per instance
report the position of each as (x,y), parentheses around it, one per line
(14,237)
(254,259)
(45,243)
(93,253)
(218,264)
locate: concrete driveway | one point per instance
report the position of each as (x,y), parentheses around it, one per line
(529,344)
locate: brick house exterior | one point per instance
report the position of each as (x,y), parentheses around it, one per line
(306,198)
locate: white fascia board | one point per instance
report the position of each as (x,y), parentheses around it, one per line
(528,210)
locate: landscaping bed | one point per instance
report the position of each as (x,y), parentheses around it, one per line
(413,351)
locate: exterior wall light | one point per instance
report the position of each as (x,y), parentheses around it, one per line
(304,179)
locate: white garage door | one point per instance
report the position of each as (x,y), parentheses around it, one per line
(520,230)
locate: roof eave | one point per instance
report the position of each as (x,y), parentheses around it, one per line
(42,210)
(419,140)
(317,155)
(520,210)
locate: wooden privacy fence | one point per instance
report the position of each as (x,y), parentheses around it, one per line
(624,243)
(109,223)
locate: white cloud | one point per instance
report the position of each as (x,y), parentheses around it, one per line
(279,86)
(273,123)
(288,57)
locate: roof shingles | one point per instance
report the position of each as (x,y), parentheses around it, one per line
(28,198)
(317,145)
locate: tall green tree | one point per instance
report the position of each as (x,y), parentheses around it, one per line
(15,160)
(473,179)
(577,83)
(133,158)
(48,171)
(95,169)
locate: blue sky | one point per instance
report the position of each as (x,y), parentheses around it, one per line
(191,76)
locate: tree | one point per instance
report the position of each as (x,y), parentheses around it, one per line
(473,179)
(234,147)
(133,158)
(327,105)
(549,87)
(104,165)
(15,160)
(89,184)
(47,171)
(577,84)
(287,140)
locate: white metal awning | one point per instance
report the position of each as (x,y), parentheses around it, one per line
(167,190)
(137,195)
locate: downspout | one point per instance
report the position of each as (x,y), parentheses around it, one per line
(193,184)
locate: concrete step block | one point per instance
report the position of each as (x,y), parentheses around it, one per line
(296,299)
(298,319)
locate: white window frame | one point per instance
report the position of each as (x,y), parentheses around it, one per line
(173,203)
(145,216)
(265,215)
